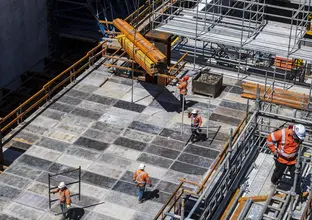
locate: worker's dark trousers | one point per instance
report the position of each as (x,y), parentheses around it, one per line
(141,190)
(63,209)
(181,101)
(195,133)
(280,169)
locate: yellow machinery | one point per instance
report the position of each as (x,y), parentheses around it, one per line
(309,25)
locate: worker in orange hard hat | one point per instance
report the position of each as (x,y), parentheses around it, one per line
(284,144)
(196,123)
(64,198)
(182,86)
(141,178)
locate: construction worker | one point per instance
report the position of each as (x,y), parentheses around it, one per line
(141,178)
(284,144)
(182,86)
(196,123)
(64,197)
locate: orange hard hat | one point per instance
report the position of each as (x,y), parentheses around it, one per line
(186,78)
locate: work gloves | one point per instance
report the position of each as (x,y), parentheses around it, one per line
(68,206)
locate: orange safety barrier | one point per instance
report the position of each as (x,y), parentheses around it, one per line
(138,40)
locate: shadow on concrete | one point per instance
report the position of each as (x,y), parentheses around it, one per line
(75,213)
(162,97)
(148,195)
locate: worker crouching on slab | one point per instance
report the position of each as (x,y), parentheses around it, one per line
(64,197)
(196,123)
(182,86)
(284,144)
(141,178)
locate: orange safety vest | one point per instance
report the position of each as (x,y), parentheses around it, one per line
(64,196)
(183,88)
(141,178)
(196,121)
(283,143)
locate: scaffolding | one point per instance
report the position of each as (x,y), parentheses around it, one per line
(241,35)
(228,180)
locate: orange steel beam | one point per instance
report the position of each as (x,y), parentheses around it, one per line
(138,40)
(238,210)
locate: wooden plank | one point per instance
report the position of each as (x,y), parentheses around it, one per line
(230,204)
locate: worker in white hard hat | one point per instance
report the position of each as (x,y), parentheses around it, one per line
(284,144)
(64,198)
(141,178)
(196,123)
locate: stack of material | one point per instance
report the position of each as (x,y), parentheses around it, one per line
(277,96)
(136,54)
(145,53)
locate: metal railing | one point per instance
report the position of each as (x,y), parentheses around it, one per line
(176,195)
(48,90)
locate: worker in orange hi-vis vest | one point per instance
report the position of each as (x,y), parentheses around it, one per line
(64,198)
(196,123)
(182,86)
(141,178)
(284,144)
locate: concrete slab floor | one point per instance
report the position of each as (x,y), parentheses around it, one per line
(99,129)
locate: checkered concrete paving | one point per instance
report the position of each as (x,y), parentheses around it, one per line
(99,129)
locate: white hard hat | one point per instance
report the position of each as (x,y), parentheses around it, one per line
(300,131)
(61,185)
(142,166)
(195,111)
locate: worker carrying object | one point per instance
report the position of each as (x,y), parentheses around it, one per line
(284,144)
(141,178)
(64,197)
(182,86)
(196,123)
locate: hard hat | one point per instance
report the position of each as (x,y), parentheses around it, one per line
(61,185)
(195,111)
(142,166)
(186,78)
(300,131)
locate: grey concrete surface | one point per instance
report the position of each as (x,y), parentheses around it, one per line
(23,37)
(108,136)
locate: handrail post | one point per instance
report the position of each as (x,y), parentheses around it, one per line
(182,205)
(79,182)
(49,187)
(1,147)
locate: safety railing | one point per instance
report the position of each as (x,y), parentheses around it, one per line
(172,200)
(48,90)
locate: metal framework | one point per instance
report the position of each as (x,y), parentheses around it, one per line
(241,35)
(50,176)
(212,200)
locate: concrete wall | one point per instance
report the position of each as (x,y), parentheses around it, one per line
(23,36)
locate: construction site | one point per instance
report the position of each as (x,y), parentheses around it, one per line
(118,103)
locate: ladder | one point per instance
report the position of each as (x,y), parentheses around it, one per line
(276,204)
